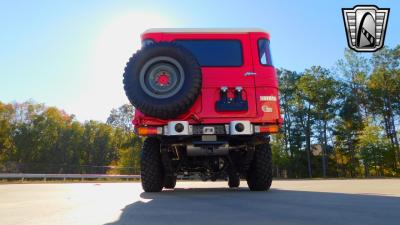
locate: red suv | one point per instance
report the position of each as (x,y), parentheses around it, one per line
(207,101)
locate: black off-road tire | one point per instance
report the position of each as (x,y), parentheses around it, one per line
(170,182)
(233,181)
(152,176)
(259,175)
(166,107)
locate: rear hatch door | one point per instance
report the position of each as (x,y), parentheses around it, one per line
(265,79)
(226,61)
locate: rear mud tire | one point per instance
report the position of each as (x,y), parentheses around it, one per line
(152,176)
(259,175)
(233,181)
(170,182)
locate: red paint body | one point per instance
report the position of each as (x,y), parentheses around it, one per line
(264,83)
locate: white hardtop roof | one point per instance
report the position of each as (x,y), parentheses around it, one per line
(204,30)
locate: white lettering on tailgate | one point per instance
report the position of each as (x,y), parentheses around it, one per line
(269,98)
(266,109)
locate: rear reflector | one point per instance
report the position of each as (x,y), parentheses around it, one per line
(266,129)
(146,131)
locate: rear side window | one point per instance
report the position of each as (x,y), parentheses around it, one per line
(264,52)
(215,52)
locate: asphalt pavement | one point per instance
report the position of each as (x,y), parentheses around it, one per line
(372,201)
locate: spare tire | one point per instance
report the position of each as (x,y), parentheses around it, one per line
(162,80)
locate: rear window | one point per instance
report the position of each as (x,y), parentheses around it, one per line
(264,52)
(215,52)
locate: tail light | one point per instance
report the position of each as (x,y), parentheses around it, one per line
(266,128)
(147,131)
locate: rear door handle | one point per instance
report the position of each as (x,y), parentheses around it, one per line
(250,74)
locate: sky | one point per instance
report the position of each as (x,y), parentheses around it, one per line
(71,54)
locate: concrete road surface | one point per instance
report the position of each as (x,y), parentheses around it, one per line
(288,202)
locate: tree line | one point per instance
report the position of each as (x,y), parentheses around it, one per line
(341,122)
(39,139)
(338,122)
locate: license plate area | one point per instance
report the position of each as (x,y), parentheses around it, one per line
(208,129)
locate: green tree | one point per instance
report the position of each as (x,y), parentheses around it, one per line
(373,148)
(128,148)
(7,147)
(305,117)
(384,91)
(354,70)
(346,130)
(280,157)
(322,91)
(122,117)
